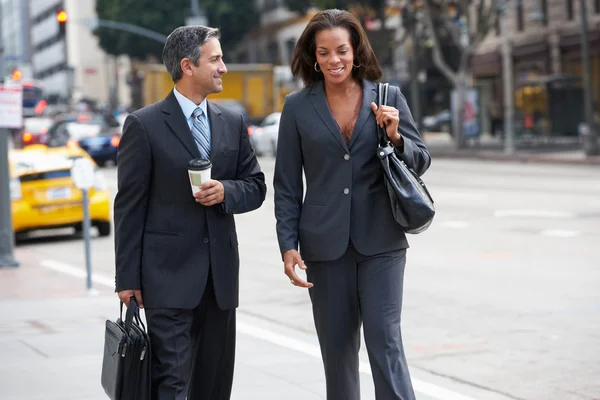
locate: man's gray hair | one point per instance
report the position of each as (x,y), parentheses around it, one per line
(186,42)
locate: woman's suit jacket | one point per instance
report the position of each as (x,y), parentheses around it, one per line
(346,199)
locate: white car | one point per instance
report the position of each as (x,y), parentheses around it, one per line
(264,136)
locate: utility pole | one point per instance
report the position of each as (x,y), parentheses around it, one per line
(198,16)
(414,82)
(590,140)
(507,72)
(6,230)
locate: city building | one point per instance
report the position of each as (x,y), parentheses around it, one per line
(14,23)
(545,41)
(70,65)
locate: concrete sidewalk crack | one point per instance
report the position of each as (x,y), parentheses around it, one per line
(466,382)
(35,349)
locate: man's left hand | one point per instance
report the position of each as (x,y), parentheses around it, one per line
(211,193)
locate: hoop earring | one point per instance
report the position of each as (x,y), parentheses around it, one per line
(356,66)
(316,65)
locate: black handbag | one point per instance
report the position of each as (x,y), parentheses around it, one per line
(127,354)
(412,205)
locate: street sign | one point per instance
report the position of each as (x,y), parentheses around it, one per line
(82,173)
(11,106)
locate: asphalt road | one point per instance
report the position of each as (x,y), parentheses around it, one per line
(502,297)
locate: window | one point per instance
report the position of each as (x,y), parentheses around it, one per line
(520,19)
(497,25)
(544,10)
(570,10)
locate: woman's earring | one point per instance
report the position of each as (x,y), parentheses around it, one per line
(356,66)
(316,65)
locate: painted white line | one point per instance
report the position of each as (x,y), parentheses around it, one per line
(559,233)
(423,387)
(456,224)
(456,195)
(533,214)
(77,272)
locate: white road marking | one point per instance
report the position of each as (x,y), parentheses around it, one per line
(77,272)
(420,386)
(426,388)
(561,233)
(460,195)
(456,224)
(533,214)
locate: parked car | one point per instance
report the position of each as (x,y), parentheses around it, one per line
(35,131)
(440,122)
(264,137)
(44,196)
(95,133)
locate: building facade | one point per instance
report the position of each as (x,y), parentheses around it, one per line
(545,40)
(14,23)
(72,66)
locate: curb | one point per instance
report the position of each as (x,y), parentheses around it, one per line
(523,158)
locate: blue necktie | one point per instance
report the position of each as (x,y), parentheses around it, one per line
(200,133)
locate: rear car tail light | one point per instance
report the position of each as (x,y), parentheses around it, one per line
(115,141)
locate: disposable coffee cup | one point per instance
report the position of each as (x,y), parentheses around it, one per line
(199,172)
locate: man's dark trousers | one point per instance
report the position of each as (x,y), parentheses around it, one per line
(195,350)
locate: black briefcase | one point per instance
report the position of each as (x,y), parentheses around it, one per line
(127,354)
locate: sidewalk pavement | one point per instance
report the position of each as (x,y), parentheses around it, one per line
(52,335)
(52,338)
(559,151)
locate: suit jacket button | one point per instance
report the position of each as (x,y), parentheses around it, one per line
(346,191)
(346,157)
(205,240)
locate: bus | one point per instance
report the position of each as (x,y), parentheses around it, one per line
(32,96)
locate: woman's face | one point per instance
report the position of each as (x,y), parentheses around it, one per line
(335,54)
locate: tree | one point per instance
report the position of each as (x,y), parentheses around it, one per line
(359,6)
(467,23)
(164,17)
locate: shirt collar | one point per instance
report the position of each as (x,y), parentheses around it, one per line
(187,106)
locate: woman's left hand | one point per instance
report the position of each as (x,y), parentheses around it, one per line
(388,117)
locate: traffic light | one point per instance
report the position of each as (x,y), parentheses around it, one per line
(17,75)
(62,17)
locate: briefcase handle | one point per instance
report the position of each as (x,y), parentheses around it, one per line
(132,314)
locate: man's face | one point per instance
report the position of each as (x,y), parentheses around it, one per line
(207,75)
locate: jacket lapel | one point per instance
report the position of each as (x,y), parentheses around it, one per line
(217,130)
(318,100)
(369,96)
(176,121)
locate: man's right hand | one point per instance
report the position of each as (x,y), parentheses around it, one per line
(125,295)
(291,258)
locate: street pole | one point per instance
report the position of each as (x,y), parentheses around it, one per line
(415,95)
(6,230)
(509,132)
(86,236)
(590,140)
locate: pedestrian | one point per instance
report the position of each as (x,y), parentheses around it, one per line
(351,248)
(177,253)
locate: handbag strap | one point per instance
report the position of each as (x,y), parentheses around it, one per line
(382,97)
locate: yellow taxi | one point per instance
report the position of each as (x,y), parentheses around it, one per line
(44,196)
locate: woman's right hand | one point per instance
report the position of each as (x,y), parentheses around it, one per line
(291,258)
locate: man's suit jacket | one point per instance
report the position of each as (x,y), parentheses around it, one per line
(164,240)
(345,194)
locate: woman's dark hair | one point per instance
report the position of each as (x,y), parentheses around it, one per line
(304,57)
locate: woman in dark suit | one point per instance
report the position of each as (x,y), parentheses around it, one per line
(352,250)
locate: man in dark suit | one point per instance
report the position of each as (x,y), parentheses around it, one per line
(177,253)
